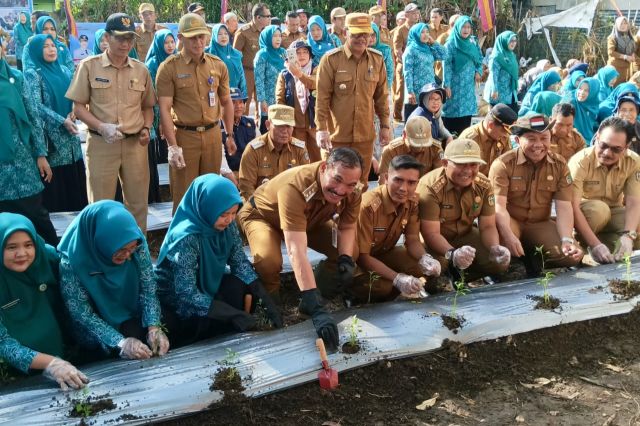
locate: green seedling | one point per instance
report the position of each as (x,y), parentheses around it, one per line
(548,276)
(262,319)
(627,263)
(354,330)
(231,357)
(83,407)
(373,277)
(461,290)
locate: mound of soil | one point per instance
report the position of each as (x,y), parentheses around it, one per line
(625,289)
(453,323)
(90,406)
(550,304)
(227,379)
(348,348)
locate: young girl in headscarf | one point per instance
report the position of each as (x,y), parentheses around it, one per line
(267,64)
(202,240)
(30,307)
(572,82)
(108,283)
(21,33)
(220,46)
(462,70)
(608,105)
(46,83)
(621,48)
(585,101)
(606,76)
(418,63)
(100,45)
(545,82)
(502,82)
(163,46)
(46,25)
(319,39)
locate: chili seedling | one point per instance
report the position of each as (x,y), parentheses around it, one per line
(461,290)
(373,277)
(548,276)
(354,330)
(627,263)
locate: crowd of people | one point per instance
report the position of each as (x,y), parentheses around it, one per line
(552,163)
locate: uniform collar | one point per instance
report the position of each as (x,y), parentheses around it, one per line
(387,203)
(287,33)
(484,132)
(144,30)
(521,158)
(451,187)
(594,159)
(187,59)
(347,52)
(272,147)
(254,27)
(106,62)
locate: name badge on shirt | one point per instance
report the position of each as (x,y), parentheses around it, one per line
(102,80)
(212,98)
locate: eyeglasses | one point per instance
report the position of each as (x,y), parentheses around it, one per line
(359,36)
(615,149)
(265,16)
(126,252)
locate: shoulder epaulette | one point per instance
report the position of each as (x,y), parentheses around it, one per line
(371,49)
(439,183)
(310,191)
(257,143)
(483,181)
(333,51)
(396,143)
(298,143)
(375,203)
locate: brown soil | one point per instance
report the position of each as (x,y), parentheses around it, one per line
(625,289)
(551,304)
(95,405)
(453,323)
(348,348)
(227,379)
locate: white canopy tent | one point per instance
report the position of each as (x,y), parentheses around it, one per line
(580,16)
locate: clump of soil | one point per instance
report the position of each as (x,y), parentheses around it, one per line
(227,379)
(453,323)
(550,304)
(625,289)
(349,348)
(91,406)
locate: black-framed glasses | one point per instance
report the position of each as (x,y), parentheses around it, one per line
(614,149)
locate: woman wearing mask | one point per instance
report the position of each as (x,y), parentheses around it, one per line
(502,82)
(268,64)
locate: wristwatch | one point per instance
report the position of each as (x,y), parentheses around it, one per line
(449,254)
(384,126)
(148,128)
(631,234)
(567,240)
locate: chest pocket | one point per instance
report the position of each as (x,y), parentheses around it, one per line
(448,213)
(135,92)
(186,82)
(371,77)
(517,185)
(101,91)
(343,84)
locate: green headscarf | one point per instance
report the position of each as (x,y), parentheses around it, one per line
(22,31)
(31,320)
(466,50)
(272,55)
(56,80)
(505,57)
(11,105)
(585,120)
(206,199)
(544,101)
(94,236)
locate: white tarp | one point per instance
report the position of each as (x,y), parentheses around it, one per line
(580,16)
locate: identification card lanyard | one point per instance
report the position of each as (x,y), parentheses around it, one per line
(212,93)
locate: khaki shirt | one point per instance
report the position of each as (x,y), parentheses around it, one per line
(246,41)
(145,39)
(594,182)
(490,149)
(429,157)
(293,201)
(349,90)
(380,223)
(456,210)
(400,38)
(385,37)
(114,95)
(302,118)
(568,145)
(435,33)
(288,38)
(530,188)
(189,82)
(261,161)
(342,35)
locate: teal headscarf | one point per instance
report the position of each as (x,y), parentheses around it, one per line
(11,105)
(587,110)
(605,75)
(572,82)
(544,101)
(325,44)
(157,54)
(543,82)
(206,199)
(94,236)
(413,40)
(608,105)
(32,320)
(56,80)
(22,31)
(97,37)
(274,56)
(465,49)
(506,58)
(231,57)
(63,50)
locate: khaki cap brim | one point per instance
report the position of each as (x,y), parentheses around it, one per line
(279,122)
(360,30)
(420,143)
(195,31)
(466,160)
(122,33)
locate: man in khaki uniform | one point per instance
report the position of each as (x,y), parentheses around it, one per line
(606,193)
(272,153)
(351,85)
(451,198)
(416,141)
(113,95)
(387,212)
(246,41)
(291,34)
(147,30)
(378,14)
(193,92)
(492,134)
(526,181)
(338,16)
(400,19)
(314,205)
(436,27)
(565,139)
(400,37)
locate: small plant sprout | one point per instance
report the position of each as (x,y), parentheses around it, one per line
(461,290)
(548,276)
(83,407)
(354,330)
(373,277)
(231,357)
(627,263)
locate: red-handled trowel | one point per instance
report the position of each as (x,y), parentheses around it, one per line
(328,377)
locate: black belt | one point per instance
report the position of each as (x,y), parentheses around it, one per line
(126,135)
(199,129)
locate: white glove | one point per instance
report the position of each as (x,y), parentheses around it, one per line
(65,374)
(500,255)
(323,140)
(601,254)
(625,247)
(407,284)
(158,341)
(132,348)
(175,157)
(110,132)
(430,266)
(463,257)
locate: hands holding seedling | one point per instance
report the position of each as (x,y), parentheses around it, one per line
(260,294)
(601,254)
(158,341)
(65,374)
(500,255)
(624,247)
(430,266)
(463,257)
(407,285)
(323,322)
(132,348)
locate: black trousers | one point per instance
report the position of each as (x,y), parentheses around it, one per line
(32,208)
(456,125)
